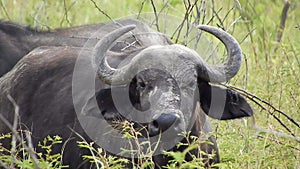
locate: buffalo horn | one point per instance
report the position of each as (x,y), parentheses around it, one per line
(228,69)
(104,71)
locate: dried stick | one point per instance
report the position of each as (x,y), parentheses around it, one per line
(2,164)
(278,142)
(15,125)
(30,150)
(283,20)
(275,133)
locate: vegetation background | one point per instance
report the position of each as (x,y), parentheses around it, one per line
(270,70)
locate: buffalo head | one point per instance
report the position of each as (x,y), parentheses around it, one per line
(166,82)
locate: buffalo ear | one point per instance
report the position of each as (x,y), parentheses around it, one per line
(226,104)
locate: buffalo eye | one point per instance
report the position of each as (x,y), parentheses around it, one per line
(141,84)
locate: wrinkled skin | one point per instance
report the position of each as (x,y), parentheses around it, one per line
(41,84)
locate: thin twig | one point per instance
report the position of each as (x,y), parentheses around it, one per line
(265,102)
(227,15)
(238,5)
(231,26)
(213,16)
(256,100)
(178,30)
(156,16)
(250,29)
(104,13)
(204,12)
(4,10)
(90,149)
(245,82)
(141,9)
(117,23)
(67,9)
(35,17)
(295,52)
(64,147)
(199,10)
(189,27)
(247,35)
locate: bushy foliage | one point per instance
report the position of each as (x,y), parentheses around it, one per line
(24,157)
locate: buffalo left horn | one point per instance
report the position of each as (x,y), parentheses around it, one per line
(104,71)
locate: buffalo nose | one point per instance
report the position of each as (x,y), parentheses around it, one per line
(162,123)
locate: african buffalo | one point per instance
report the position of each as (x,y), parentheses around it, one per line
(165,83)
(16,41)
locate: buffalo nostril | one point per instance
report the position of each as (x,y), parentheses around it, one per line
(103,112)
(155,124)
(162,123)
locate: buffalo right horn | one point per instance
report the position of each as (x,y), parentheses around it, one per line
(227,70)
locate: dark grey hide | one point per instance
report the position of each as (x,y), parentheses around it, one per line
(16,41)
(41,84)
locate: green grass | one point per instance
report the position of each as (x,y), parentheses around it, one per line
(270,69)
